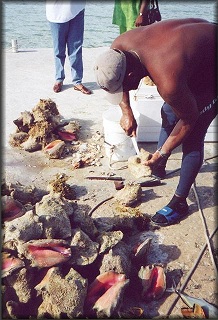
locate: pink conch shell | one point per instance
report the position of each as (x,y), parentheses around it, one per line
(104,292)
(141,251)
(153,281)
(67,135)
(144,275)
(11,208)
(47,252)
(10,264)
(54,149)
(110,300)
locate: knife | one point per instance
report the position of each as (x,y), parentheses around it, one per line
(134,142)
(105,178)
(144,181)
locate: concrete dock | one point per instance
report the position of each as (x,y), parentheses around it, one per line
(28,76)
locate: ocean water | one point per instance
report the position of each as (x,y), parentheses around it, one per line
(26,21)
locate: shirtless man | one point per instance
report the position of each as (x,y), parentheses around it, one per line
(180,57)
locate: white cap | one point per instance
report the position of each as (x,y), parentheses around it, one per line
(110,69)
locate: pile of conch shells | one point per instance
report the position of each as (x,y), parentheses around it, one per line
(58,261)
(45,129)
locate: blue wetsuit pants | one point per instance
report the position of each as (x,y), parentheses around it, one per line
(192,146)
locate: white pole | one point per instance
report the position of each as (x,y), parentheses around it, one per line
(14,45)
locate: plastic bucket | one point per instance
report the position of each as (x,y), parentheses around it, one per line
(118,146)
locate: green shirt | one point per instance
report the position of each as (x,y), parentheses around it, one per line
(125,13)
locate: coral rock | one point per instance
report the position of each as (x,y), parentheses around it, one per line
(129,195)
(136,166)
(53,212)
(118,259)
(22,284)
(17,138)
(24,122)
(84,250)
(108,240)
(31,144)
(25,228)
(59,185)
(63,294)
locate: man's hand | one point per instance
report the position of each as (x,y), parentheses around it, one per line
(154,160)
(129,124)
(127,121)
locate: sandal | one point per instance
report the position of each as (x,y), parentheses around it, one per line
(57,87)
(82,89)
(167,216)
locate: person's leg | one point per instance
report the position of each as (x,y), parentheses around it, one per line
(169,121)
(74,45)
(59,31)
(193,154)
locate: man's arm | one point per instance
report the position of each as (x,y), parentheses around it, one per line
(142,11)
(127,121)
(184,105)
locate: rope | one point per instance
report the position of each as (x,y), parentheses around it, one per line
(190,274)
(205,228)
(208,244)
(98,205)
(139,86)
(202,216)
(211,158)
(173,171)
(112,148)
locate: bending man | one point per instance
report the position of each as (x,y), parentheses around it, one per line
(180,57)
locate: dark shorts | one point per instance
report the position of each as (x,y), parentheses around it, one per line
(195,140)
(207,115)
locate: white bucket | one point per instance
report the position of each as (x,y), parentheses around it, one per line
(118,146)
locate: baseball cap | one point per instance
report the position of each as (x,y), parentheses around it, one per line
(110,68)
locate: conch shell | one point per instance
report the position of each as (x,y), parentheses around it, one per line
(46,252)
(153,280)
(105,293)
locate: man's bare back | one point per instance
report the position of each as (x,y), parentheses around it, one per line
(179,56)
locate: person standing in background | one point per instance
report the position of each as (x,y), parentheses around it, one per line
(66,19)
(130,14)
